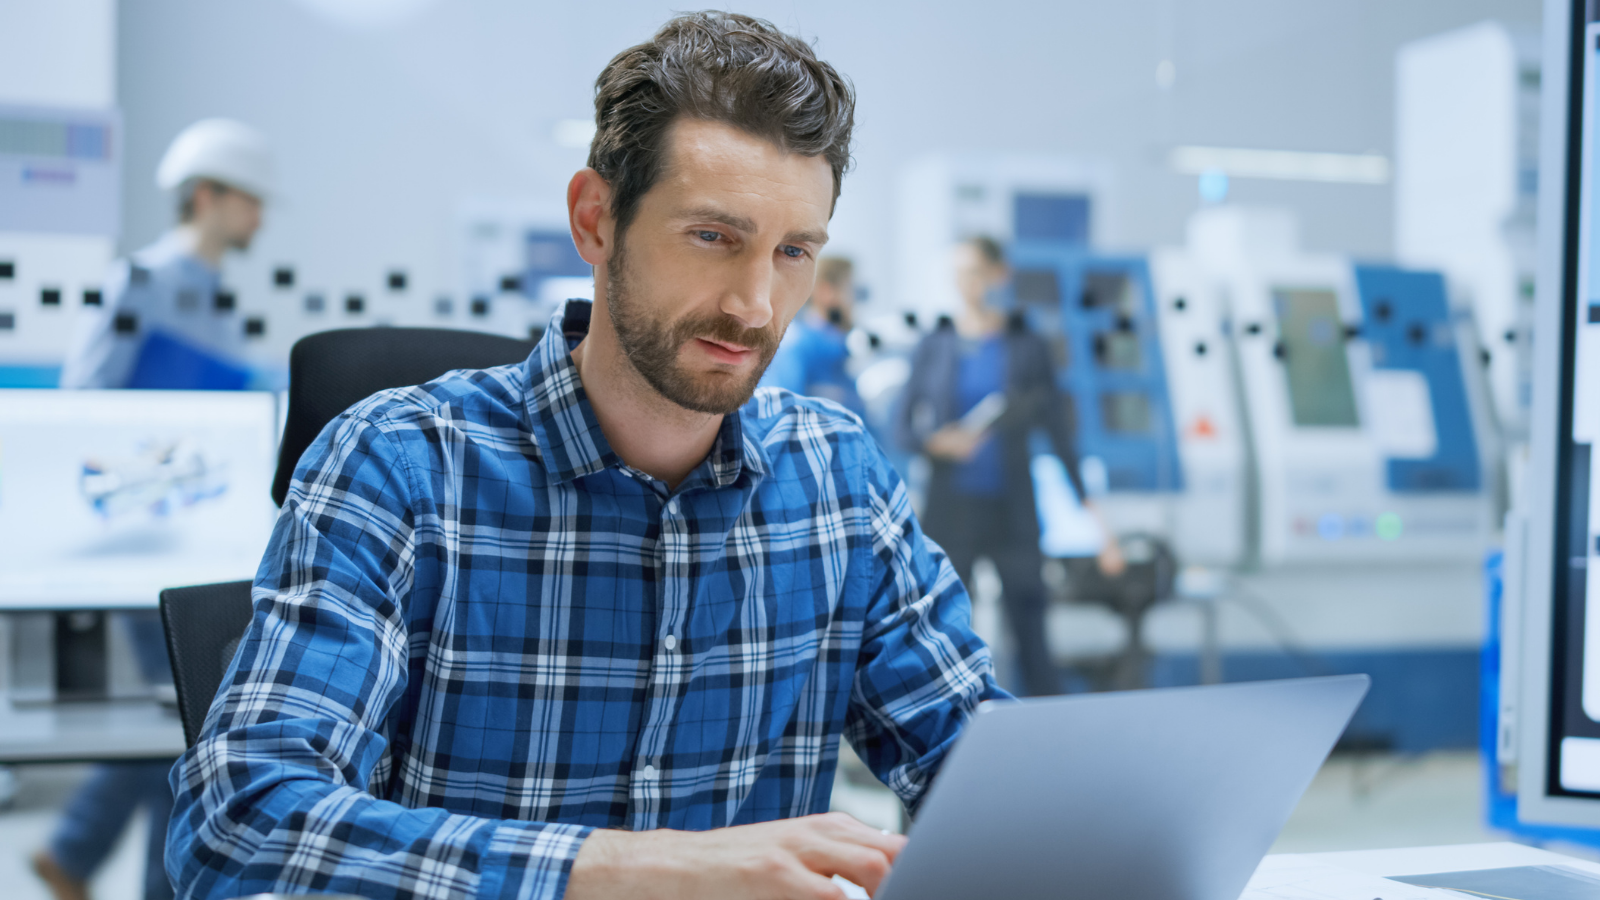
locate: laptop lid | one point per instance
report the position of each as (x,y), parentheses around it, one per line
(1174,793)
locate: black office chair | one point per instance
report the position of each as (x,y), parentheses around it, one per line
(328,373)
(1149,579)
(203,625)
(331,371)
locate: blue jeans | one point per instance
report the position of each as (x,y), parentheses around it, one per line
(96,815)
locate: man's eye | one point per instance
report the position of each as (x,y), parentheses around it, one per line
(793,252)
(710,237)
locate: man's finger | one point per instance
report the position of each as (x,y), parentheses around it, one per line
(828,857)
(843,826)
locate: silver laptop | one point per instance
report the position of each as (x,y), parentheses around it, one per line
(1172,794)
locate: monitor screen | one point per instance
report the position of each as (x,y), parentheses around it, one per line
(1314,361)
(107,497)
(1575,691)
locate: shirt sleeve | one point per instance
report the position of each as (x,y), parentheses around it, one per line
(282,792)
(922,670)
(100,356)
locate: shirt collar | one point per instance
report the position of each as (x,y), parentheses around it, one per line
(568,435)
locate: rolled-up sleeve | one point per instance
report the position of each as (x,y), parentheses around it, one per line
(284,790)
(922,670)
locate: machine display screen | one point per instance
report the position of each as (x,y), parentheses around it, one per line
(1575,687)
(1314,361)
(1119,350)
(1038,287)
(1113,291)
(54,139)
(1126,412)
(107,497)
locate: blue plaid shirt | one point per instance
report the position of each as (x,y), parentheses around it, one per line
(478,635)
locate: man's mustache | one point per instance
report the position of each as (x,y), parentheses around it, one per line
(728,330)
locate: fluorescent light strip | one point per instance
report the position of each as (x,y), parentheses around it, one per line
(1284,165)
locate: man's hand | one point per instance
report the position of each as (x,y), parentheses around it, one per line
(954,443)
(1110,559)
(794,859)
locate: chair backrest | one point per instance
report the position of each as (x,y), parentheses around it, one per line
(203,625)
(331,371)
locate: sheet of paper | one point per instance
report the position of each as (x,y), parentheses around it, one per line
(852,891)
(1400,414)
(1292,876)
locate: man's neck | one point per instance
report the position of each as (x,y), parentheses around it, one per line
(202,243)
(650,433)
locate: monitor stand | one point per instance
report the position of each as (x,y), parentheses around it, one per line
(70,656)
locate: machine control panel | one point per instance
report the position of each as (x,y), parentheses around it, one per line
(1098,312)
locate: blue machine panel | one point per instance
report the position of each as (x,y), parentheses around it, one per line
(1062,218)
(1406,322)
(549,254)
(1099,313)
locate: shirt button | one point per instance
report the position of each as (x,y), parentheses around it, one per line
(671,642)
(649,773)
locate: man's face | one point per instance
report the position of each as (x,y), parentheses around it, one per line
(717,261)
(232,213)
(975,275)
(836,303)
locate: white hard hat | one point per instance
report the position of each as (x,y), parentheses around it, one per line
(222,150)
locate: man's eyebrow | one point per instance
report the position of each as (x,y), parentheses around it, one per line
(806,237)
(747,225)
(712,214)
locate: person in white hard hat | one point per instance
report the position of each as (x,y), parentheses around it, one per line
(165,322)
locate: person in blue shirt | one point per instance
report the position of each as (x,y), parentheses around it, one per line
(593,625)
(165,323)
(980,499)
(813,357)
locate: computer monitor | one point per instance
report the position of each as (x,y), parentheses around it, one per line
(107,497)
(1553,561)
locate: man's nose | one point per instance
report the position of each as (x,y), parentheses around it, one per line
(749,299)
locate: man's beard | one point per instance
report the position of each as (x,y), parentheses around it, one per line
(652,347)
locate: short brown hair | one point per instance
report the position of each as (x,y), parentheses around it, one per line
(989,249)
(719,67)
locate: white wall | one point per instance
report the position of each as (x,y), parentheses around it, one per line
(58,53)
(380,132)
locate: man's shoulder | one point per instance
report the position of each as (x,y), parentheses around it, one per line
(491,398)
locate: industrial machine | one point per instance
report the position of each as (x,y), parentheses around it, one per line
(60,197)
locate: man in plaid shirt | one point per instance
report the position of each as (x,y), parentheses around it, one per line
(592,625)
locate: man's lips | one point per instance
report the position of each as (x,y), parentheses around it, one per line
(722,352)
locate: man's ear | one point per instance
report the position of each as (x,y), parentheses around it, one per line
(589,216)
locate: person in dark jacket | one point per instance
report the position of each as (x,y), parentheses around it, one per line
(980,385)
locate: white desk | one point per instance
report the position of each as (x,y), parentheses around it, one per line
(81,732)
(1457,858)
(1346,875)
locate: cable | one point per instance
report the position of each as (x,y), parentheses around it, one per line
(1275,627)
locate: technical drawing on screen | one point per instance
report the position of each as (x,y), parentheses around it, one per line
(107,497)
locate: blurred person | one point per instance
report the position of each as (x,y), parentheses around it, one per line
(592,625)
(980,501)
(812,358)
(164,323)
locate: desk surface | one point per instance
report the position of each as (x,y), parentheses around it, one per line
(80,732)
(1455,858)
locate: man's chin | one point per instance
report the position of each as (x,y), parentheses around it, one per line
(713,393)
